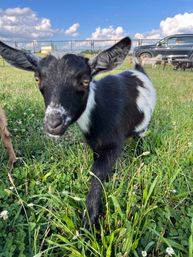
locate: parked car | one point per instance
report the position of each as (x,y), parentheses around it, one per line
(173,47)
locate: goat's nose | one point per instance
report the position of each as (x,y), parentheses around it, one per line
(54,121)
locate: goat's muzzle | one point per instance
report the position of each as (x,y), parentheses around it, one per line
(56,123)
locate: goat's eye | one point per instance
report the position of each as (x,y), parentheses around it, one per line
(85,83)
(37,79)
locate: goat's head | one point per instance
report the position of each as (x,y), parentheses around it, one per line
(64,83)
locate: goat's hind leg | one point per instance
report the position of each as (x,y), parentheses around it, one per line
(6,139)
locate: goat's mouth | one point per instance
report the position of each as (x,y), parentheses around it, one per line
(55,132)
(56,129)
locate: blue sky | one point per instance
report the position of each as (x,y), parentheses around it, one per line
(55,19)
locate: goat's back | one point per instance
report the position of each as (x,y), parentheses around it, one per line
(123,106)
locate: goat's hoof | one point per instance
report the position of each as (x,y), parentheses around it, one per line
(11,163)
(90,220)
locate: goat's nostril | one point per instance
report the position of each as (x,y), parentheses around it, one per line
(54,122)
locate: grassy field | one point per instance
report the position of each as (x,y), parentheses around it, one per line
(149,200)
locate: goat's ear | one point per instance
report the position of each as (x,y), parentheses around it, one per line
(19,58)
(110,58)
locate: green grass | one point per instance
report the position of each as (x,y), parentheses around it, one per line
(149,199)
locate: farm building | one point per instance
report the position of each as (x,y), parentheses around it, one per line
(45,50)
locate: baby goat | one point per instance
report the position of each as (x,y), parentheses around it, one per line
(108,110)
(5,136)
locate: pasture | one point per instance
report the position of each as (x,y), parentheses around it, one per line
(149,199)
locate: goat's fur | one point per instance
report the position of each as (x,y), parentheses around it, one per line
(6,139)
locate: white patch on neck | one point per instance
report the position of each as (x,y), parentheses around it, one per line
(84,120)
(145,101)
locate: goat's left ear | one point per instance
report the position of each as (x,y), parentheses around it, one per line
(110,58)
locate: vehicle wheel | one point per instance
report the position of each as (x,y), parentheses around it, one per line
(145,55)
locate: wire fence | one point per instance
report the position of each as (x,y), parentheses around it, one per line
(84,47)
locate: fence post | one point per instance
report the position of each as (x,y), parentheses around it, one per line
(92,47)
(71,46)
(33,46)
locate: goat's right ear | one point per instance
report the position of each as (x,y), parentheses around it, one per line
(110,58)
(21,59)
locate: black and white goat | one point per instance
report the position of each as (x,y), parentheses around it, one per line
(108,110)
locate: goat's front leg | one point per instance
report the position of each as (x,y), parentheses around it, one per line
(6,139)
(104,159)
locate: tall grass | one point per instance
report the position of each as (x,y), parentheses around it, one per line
(148,201)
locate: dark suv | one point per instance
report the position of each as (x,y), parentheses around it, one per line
(175,46)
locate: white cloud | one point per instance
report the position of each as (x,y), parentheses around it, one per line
(180,23)
(23,23)
(154,34)
(108,33)
(72,30)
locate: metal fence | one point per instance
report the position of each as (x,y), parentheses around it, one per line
(90,47)
(74,46)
